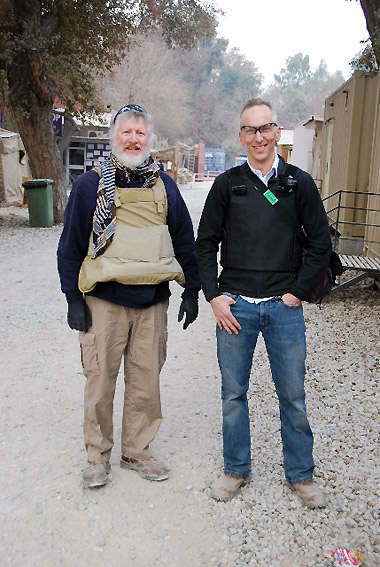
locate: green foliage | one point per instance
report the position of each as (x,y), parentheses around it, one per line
(365,61)
(183,22)
(53,49)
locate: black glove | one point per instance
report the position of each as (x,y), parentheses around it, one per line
(190,307)
(79,315)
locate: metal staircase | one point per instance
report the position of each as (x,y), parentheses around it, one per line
(362,266)
(365,268)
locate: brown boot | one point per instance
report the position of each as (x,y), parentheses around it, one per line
(149,468)
(310,494)
(226,487)
(96,474)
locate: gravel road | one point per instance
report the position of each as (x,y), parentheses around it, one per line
(49,520)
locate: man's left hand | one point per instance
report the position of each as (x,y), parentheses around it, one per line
(189,306)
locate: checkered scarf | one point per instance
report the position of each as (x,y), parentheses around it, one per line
(104,221)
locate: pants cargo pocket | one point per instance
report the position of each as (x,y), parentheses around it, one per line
(89,355)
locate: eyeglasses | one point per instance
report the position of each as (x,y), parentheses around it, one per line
(129,107)
(264,129)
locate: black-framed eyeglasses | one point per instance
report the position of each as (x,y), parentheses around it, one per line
(127,108)
(263,129)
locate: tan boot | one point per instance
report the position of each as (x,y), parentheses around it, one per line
(96,474)
(148,468)
(226,487)
(310,494)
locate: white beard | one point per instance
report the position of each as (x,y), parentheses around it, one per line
(131,162)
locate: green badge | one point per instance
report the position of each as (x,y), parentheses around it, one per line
(270,196)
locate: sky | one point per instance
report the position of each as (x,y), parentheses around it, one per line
(267,32)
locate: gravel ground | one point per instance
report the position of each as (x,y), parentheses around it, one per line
(48,519)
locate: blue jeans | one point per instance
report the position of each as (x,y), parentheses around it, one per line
(283,330)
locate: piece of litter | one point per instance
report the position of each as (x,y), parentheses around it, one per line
(339,557)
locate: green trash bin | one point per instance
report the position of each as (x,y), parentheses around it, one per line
(39,194)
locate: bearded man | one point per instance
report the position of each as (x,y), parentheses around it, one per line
(126,234)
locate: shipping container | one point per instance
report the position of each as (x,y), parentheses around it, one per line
(215,160)
(239,160)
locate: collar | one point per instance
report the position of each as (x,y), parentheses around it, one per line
(272,171)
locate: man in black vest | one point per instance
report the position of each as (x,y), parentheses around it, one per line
(265,276)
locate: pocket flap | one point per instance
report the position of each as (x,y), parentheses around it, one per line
(87,339)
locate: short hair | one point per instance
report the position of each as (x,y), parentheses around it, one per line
(127,115)
(258,102)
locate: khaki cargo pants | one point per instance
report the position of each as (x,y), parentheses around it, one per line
(140,335)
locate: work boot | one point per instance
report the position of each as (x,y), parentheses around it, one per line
(226,487)
(148,468)
(96,474)
(310,494)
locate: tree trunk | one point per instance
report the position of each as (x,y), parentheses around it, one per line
(45,160)
(30,102)
(71,129)
(371,9)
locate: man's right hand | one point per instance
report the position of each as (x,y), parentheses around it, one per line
(290,300)
(78,315)
(221,307)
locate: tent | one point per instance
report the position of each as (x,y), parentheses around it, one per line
(14,168)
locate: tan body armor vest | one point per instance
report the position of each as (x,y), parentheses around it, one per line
(141,251)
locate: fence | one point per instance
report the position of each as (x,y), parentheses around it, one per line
(208,176)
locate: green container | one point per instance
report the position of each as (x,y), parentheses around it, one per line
(39,194)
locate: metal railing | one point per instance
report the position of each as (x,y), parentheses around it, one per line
(362,266)
(336,219)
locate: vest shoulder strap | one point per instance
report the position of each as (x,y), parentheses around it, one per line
(291,169)
(236,181)
(160,197)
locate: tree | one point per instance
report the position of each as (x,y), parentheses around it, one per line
(296,73)
(150,62)
(51,48)
(287,90)
(320,84)
(239,79)
(206,86)
(297,92)
(193,94)
(221,81)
